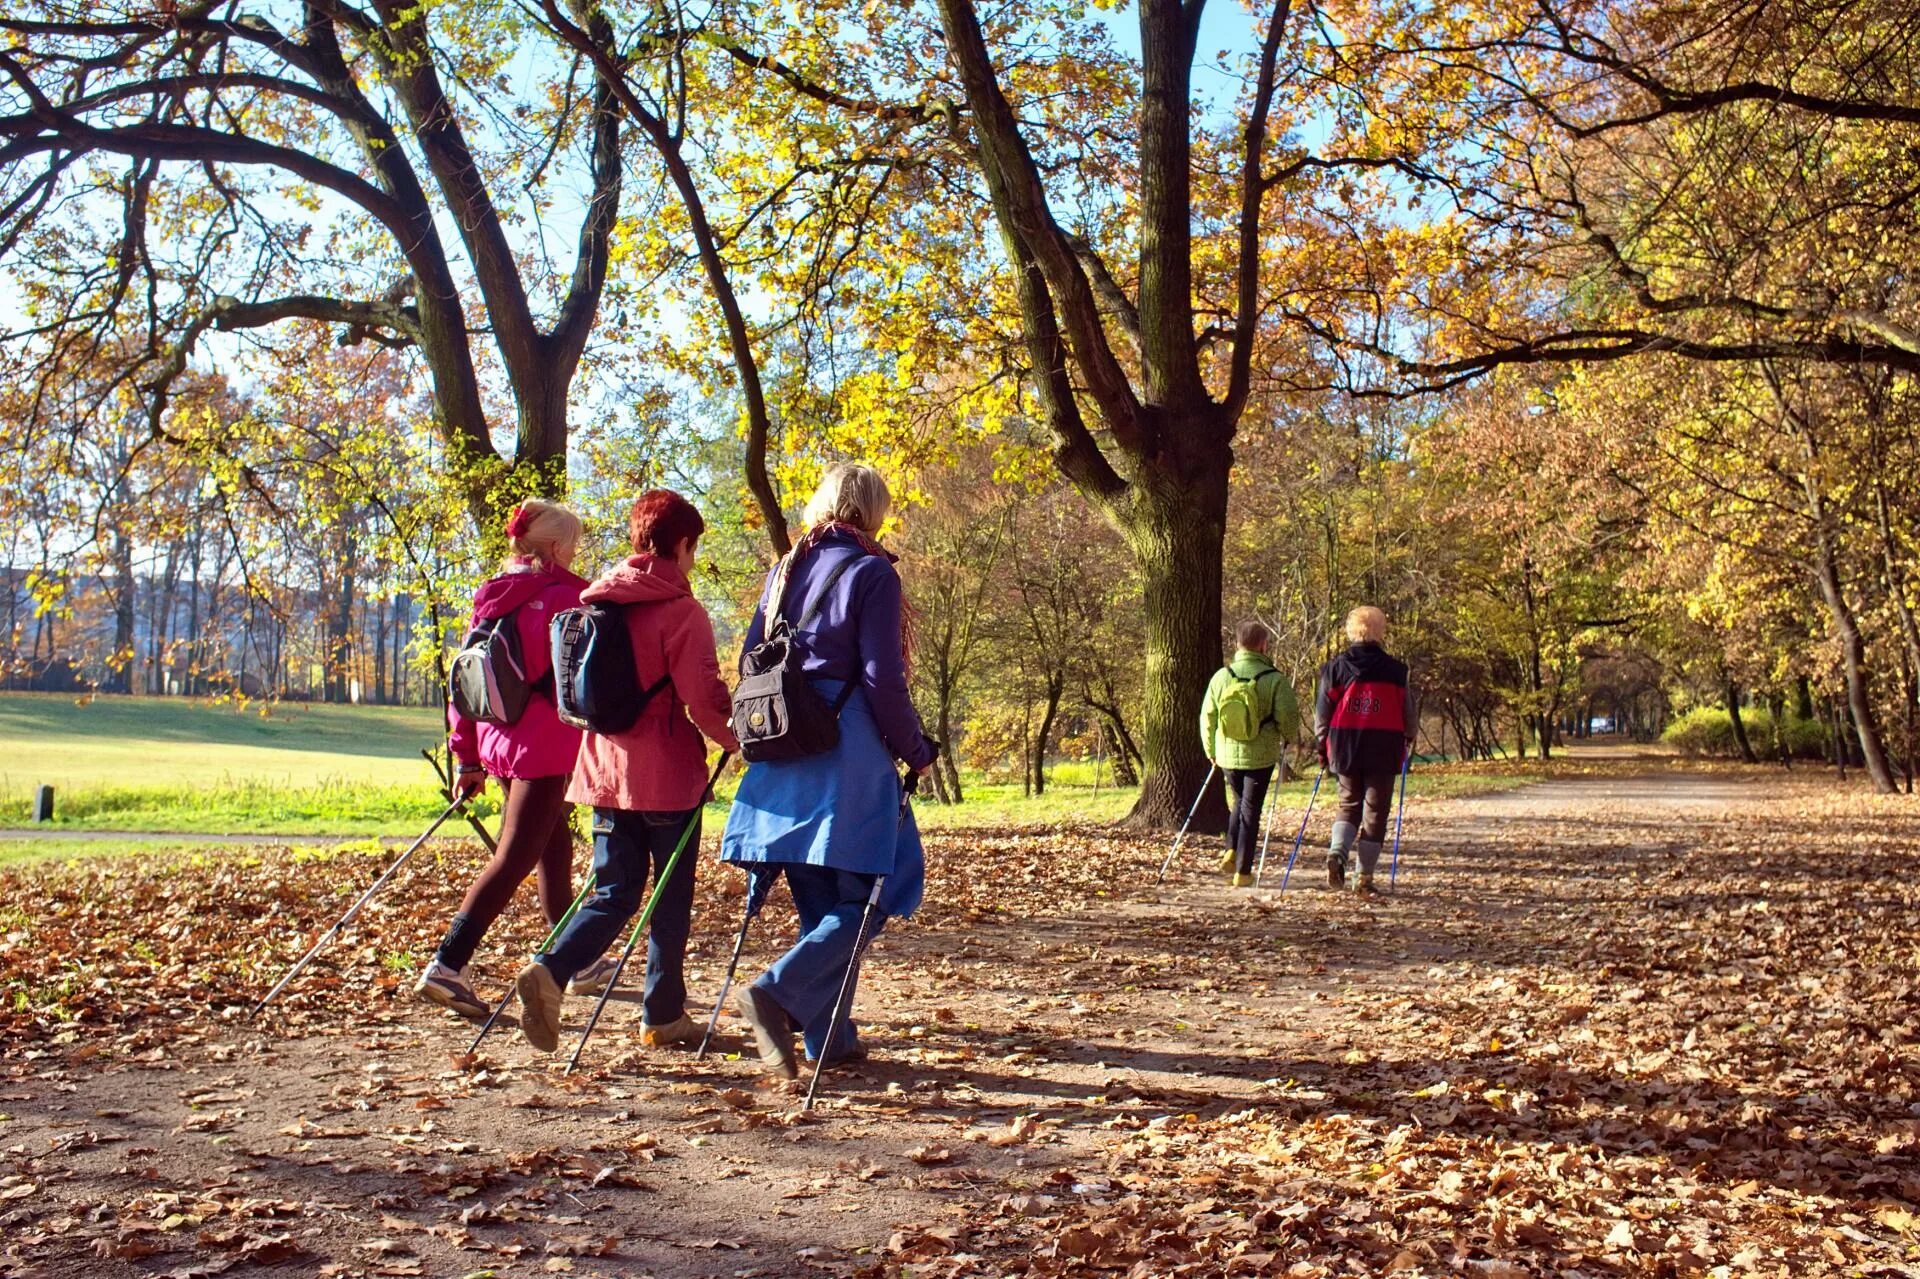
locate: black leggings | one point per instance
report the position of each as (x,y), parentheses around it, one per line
(1247,792)
(536,834)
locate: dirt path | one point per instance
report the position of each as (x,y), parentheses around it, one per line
(1066,1082)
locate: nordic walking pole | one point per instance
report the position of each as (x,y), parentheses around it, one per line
(1212,768)
(1399,816)
(1265,835)
(354,909)
(1301,837)
(513,988)
(646,916)
(853,961)
(446,788)
(756,898)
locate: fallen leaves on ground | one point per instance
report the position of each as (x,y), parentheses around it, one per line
(1592,1037)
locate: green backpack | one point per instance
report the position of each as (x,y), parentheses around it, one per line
(1240,716)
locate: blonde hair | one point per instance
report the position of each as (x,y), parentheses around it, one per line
(545,530)
(851,493)
(1366,625)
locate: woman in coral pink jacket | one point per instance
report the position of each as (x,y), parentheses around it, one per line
(647,784)
(531,758)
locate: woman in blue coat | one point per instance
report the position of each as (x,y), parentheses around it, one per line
(833,822)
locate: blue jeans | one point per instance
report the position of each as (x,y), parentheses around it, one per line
(628,848)
(806,980)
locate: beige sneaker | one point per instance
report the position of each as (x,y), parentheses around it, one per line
(539,1006)
(683,1031)
(593,979)
(1363,887)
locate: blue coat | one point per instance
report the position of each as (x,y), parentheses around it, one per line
(842,809)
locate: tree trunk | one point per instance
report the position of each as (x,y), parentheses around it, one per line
(1056,686)
(1739,725)
(1177,534)
(946,770)
(1853,658)
(120,664)
(1120,753)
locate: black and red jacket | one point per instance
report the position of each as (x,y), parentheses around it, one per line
(1363,714)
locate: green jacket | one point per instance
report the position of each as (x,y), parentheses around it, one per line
(1280,714)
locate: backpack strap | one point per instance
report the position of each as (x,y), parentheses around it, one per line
(826,588)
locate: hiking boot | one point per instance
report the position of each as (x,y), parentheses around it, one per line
(772,1030)
(1336,870)
(539,1006)
(448,988)
(1242,880)
(682,1031)
(593,979)
(1363,887)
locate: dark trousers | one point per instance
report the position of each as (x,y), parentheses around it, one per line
(628,850)
(536,834)
(806,980)
(1366,801)
(1247,795)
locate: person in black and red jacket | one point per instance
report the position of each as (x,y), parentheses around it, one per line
(1364,719)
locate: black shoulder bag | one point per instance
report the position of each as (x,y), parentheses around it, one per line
(777,714)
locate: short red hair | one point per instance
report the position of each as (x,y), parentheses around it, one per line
(661,520)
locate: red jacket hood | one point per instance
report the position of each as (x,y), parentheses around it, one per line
(499,596)
(643,579)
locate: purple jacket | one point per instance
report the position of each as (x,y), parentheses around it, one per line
(857,632)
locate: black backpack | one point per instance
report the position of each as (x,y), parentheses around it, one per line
(776,712)
(595,684)
(488,680)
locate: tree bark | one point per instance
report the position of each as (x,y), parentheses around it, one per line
(1853,650)
(1739,726)
(1043,737)
(1178,537)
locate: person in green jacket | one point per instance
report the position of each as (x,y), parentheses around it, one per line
(1246,721)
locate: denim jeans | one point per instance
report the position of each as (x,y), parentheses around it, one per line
(806,980)
(628,849)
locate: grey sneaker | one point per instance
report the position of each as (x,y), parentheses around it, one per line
(448,988)
(593,979)
(539,1006)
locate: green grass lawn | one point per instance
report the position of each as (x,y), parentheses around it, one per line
(152,742)
(171,765)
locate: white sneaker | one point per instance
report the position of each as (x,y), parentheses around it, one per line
(593,979)
(448,988)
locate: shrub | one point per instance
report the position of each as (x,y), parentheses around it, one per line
(1708,730)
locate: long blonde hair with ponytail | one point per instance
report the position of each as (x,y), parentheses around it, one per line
(544,532)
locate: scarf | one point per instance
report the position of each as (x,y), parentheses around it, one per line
(811,540)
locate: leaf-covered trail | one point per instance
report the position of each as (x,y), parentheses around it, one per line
(1608,1026)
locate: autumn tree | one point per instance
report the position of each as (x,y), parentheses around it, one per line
(171,174)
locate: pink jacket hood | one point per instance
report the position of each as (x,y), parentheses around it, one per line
(660,764)
(643,579)
(499,596)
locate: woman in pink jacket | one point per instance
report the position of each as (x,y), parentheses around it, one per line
(647,784)
(532,758)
